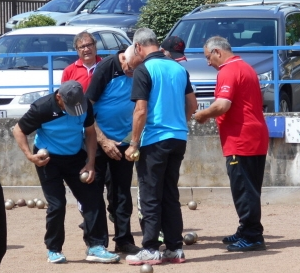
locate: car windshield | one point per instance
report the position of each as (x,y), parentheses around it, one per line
(63,6)
(120,6)
(238,31)
(36,43)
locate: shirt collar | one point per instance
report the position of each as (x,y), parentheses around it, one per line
(231,60)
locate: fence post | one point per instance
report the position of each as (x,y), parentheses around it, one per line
(14,7)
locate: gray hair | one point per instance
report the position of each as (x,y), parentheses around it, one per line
(81,35)
(129,53)
(217,42)
(145,37)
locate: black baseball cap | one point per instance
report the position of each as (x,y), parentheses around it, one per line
(175,45)
(73,98)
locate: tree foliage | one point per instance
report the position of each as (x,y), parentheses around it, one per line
(161,15)
(36,20)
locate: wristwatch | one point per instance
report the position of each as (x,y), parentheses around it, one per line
(134,143)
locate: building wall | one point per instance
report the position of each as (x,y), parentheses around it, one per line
(203,165)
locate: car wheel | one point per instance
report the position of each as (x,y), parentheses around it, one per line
(284,102)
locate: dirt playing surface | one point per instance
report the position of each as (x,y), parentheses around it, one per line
(27,253)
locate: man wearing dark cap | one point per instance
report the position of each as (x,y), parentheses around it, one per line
(174,47)
(61,120)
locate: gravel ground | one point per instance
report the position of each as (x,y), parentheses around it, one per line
(27,253)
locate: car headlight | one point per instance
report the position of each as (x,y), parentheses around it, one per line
(265,77)
(12,22)
(29,98)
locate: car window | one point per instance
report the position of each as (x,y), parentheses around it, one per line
(122,39)
(99,44)
(292,32)
(110,41)
(238,31)
(36,43)
(90,5)
(61,5)
(120,6)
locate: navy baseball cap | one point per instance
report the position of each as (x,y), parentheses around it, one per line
(175,45)
(73,98)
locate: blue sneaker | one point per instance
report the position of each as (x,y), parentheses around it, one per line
(56,257)
(230,239)
(100,254)
(244,245)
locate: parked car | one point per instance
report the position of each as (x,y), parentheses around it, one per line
(121,14)
(59,10)
(246,24)
(30,71)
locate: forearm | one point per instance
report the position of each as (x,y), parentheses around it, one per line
(91,146)
(101,138)
(22,141)
(139,120)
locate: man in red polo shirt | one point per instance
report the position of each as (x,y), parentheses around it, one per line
(82,70)
(244,139)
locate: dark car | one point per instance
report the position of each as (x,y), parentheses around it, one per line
(246,24)
(121,14)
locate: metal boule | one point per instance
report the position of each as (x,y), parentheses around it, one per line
(8,205)
(84,176)
(188,239)
(30,203)
(40,204)
(43,152)
(146,268)
(192,205)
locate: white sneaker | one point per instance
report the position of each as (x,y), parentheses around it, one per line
(176,256)
(144,257)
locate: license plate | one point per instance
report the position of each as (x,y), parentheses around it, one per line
(203,105)
(3,114)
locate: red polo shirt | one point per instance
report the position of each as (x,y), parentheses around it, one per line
(243,130)
(79,72)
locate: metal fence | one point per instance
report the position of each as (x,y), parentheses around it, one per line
(9,8)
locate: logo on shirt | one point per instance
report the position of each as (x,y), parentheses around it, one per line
(55,114)
(116,73)
(225,88)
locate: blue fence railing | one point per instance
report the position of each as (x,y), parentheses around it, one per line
(276,81)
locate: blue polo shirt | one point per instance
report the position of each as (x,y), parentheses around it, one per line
(110,89)
(56,130)
(163,83)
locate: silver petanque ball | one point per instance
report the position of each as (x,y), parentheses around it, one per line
(43,152)
(9,205)
(40,204)
(195,236)
(192,205)
(10,200)
(21,202)
(146,268)
(83,177)
(30,203)
(188,239)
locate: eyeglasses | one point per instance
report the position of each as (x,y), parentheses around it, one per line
(88,46)
(208,56)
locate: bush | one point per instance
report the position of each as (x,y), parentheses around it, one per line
(161,15)
(36,20)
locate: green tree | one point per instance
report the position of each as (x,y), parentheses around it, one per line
(161,15)
(36,20)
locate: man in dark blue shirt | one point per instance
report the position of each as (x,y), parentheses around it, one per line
(109,91)
(61,120)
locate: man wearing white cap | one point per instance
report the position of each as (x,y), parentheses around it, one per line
(59,119)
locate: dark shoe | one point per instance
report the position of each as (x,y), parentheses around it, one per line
(244,245)
(111,218)
(127,248)
(231,239)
